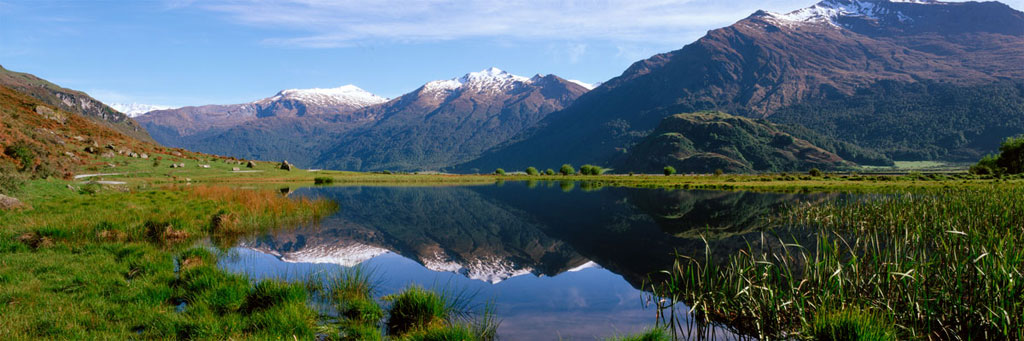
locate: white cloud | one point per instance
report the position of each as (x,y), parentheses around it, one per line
(326,23)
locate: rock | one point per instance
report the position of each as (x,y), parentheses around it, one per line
(91,150)
(175,153)
(235,169)
(71,187)
(111,147)
(134,155)
(111,165)
(204,166)
(286,166)
(251,164)
(144,156)
(9,203)
(109,155)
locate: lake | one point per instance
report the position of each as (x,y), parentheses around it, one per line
(557,259)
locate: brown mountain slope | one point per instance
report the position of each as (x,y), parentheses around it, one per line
(72,101)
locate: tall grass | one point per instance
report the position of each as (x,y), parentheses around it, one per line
(940,263)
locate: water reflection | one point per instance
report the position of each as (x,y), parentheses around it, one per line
(561,259)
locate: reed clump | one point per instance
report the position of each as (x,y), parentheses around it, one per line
(942,263)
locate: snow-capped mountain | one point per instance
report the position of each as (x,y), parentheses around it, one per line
(829,11)
(445,122)
(137,109)
(343,96)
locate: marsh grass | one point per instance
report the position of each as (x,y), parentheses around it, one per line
(942,263)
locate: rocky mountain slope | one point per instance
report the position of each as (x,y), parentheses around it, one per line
(769,62)
(72,101)
(450,121)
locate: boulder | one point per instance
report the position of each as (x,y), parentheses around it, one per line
(144,156)
(286,166)
(91,150)
(9,203)
(250,164)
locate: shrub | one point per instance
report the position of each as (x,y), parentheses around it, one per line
(499,171)
(549,171)
(655,334)
(531,171)
(323,180)
(814,172)
(1011,155)
(10,180)
(567,169)
(719,172)
(669,170)
(591,170)
(23,154)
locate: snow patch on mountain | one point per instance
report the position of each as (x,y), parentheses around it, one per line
(585,85)
(491,270)
(347,255)
(137,109)
(490,80)
(347,95)
(828,11)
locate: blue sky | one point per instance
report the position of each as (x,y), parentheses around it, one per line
(182,52)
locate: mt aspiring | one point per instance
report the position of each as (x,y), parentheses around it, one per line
(438,125)
(914,80)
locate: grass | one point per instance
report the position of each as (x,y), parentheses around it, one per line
(103,264)
(940,263)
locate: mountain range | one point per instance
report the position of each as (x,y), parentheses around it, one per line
(439,124)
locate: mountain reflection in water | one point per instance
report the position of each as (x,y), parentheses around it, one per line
(559,260)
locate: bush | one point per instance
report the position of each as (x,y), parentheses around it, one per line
(323,180)
(669,170)
(591,170)
(1011,155)
(10,180)
(23,154)
(814,172)
(549,171)
(567,169)
(499,171)
(531,171)
(719,172)
(986,166)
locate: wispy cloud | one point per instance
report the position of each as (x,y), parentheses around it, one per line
(328,23)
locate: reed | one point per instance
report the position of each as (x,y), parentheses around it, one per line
(941,263)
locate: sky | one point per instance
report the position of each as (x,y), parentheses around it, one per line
(194,52)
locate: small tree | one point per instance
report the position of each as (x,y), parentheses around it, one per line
(669,170)
(531,171)
(1011,155)
(499,171)
(814,172)
(567,169)
(549,171)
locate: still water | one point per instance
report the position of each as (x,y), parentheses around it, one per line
(557,259)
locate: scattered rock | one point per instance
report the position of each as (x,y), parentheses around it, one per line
(109,155)
(144,156)
(78,138)
(235,169)
(251,164)
(111,165)
(111,147)
(91,150)
(9,203)
(176,153)
(204,166)
(134,155)
(286,166)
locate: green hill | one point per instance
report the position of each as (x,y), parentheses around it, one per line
(706,141)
